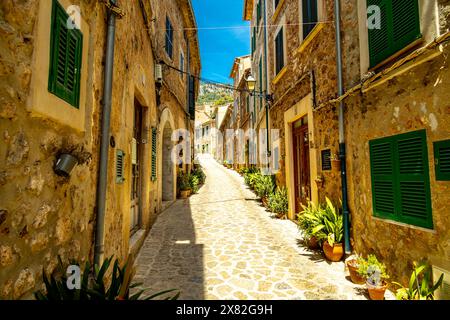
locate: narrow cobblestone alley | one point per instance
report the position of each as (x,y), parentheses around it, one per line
(222,244)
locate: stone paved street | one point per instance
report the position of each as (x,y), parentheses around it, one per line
(222,244)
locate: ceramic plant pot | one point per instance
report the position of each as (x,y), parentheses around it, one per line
(184,194)
(354,275)
(333,253)
(376,293)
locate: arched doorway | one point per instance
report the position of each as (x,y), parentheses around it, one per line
(168,166)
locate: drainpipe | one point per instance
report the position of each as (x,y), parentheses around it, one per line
(104,142)
(267,86)
(342,156)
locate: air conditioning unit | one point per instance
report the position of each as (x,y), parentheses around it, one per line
(158,73)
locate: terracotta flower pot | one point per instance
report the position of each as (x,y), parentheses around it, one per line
(265,201)
(376,293)
(354,275)
(313,243)
(184,194)
(333,253)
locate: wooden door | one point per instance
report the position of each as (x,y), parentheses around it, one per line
(136,153)
(302,179)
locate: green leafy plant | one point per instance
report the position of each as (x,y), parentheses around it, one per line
(420,285)
(331,227)
(278,201)
(372,270)
(183,181)
(198,172)
(95,285)
(310,218)
(252,178)
(264,186)
(194,183)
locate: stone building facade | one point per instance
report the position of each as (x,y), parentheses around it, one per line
(399,100)
(43,215)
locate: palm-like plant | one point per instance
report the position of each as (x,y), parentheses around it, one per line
(420,286)
(331,226)
(95,285)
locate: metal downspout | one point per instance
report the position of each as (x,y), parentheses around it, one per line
(267,85)
(342,155)
(104,143)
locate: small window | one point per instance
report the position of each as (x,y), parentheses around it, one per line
(169,38)
(442,160)
(65,57)
(400,179)
(400,26)
(279,51)
(309,9)
(120,157)
(276,3)
(258,15)
(326,160)
(154,153)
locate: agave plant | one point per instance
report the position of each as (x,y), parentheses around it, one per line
(95,285)
(331,226)
(265,186)
(420,286)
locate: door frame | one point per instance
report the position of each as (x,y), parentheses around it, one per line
(296,112)
(298,161)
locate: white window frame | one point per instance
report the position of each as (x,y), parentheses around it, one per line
(285,56)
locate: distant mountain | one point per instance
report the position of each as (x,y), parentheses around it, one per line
(214,95)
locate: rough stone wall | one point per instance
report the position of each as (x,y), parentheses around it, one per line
(41,215)
(418,99)
(295,84)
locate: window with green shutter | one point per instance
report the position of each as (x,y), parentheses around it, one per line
(65,57)
(260,83)
(400,26)
(442,160)
(310,16)
(154,153)
(258,15)
(279,52)
(400,179)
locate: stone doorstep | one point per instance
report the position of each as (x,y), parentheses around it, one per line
(136,242)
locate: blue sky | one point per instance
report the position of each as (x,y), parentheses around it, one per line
(219,47)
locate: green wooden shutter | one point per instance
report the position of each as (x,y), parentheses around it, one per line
(382,170)
(279,52)
(413,179)
(154,153)
(400,179)
(310,16)
(400,25)
(120,159)
(442,160)
(260,83)
(258,15)
(65,57)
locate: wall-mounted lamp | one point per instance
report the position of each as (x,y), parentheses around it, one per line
(65,164)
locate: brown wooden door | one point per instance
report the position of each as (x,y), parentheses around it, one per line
(301,163)
(136,153)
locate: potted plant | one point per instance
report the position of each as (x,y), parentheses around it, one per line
(278,202)
(308,219)
(183,185)
(335,163)
(264,187)
(353,266)
(375,274)
(331,232)
(421,286)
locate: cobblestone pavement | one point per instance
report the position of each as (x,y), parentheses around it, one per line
(222,244)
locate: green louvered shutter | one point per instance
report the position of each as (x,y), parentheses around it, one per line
(382,170)
(413,179)
(154,153)
(400,26)
(442,160)
(65,57)
(400,179)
